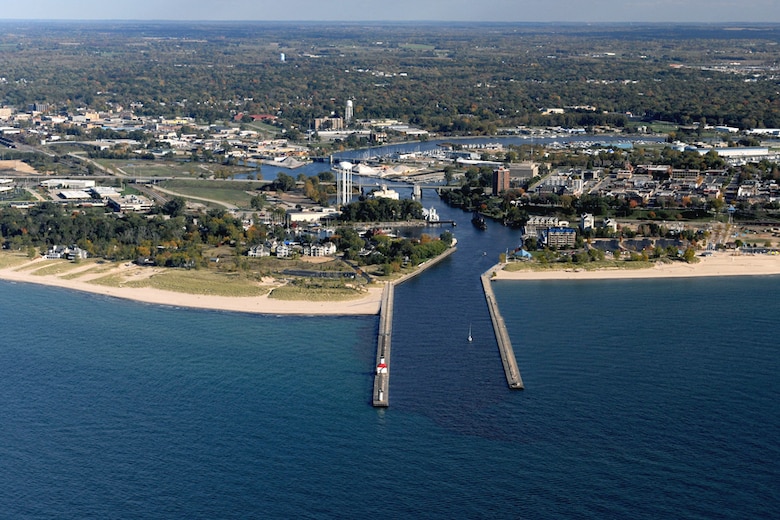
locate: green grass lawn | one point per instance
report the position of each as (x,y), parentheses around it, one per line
(142,168)
(589,266)
(317,292)
(190,282)
(61,266)
(10,259)
(231,192)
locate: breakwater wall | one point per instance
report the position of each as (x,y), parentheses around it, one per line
(511,371)
(425,265)
(381,392)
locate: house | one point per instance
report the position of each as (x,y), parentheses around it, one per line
(326,249)
(69,253)
(610,224)
(259,251)
(283,251)
(587,221)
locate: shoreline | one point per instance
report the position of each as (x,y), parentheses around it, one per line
(367,305)
(718,264)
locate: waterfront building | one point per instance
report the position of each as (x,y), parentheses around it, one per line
(559,237)
(500,180)
(384,193)
(537,224)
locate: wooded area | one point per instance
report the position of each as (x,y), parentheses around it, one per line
(465,78)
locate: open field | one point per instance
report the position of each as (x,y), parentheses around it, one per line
(230,192)
(12,259)
(168,168)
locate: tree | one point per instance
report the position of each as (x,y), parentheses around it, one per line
(174,207)
(258,202)
(283,182)
(326,176)
(448,174)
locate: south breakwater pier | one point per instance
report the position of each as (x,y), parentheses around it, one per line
(382,374)
(511,371)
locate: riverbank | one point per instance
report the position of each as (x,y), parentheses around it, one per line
(84,277)
(717,264)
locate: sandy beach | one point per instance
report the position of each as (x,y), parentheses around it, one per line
(718,264)
(367,305)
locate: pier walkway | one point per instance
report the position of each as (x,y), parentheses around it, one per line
(382,373)
(511,371)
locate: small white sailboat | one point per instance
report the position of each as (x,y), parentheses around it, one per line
(470,338)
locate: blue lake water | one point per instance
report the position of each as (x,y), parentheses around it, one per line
(644,399)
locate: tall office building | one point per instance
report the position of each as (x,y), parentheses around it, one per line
(500,180)
(348,113)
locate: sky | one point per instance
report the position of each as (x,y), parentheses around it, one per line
(400,10)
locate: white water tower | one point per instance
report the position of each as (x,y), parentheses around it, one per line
(344,184)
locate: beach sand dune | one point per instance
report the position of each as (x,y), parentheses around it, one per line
(718,264)
(25,272)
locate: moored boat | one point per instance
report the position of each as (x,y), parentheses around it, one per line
(479,221)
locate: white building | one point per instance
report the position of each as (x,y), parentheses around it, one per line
(130,203)
(587,222)
(348,113)
(326,249)
(259,251)
(75,184)
(309,216)
(283,251)
(384,193)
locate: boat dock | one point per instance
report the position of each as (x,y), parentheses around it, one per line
(382,371)
(511,371)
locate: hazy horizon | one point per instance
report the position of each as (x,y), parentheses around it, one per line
(532,11)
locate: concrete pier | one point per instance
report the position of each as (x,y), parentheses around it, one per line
(511,371)
(382,368)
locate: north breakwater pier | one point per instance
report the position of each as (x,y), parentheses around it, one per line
(513,378)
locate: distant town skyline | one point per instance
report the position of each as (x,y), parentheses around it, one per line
(592,11)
